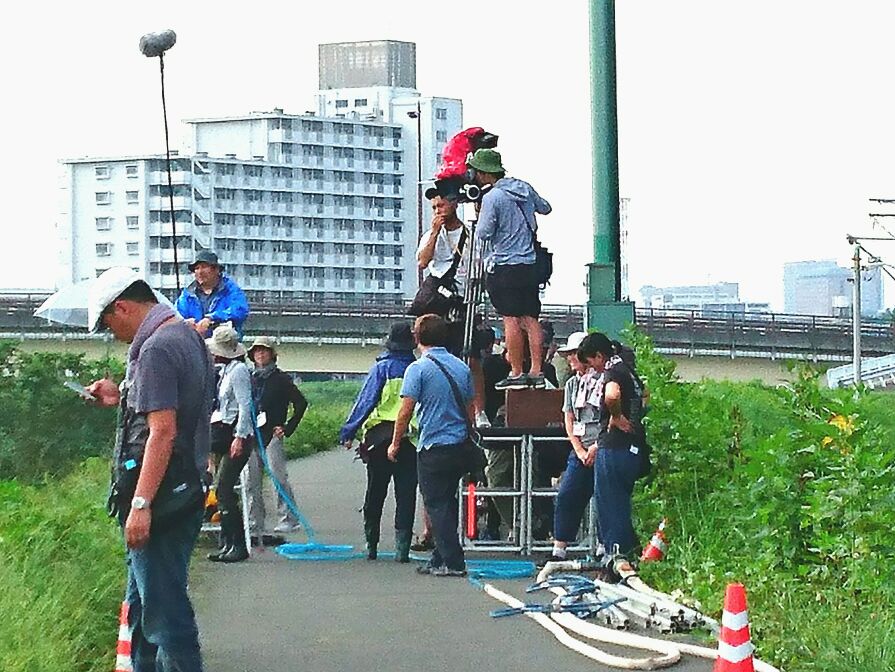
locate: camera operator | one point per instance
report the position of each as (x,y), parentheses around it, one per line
(443,253)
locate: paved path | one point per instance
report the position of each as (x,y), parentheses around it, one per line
(271,614)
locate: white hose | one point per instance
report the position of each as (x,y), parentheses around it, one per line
(609,636)
(587,650)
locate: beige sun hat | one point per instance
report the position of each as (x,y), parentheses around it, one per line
(264,342)
(224,342)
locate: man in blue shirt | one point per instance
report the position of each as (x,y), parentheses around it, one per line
(442,455)
(212,298)
(507,221)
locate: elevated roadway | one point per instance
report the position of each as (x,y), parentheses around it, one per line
(345,337)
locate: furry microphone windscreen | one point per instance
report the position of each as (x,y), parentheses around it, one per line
(155,44)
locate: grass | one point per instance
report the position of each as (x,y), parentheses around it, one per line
(61,574)
(329,404)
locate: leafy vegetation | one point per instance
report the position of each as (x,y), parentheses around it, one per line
(790,490)
(45,428)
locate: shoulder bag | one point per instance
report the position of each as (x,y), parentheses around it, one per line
(475,453)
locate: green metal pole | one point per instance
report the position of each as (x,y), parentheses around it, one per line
(605,311)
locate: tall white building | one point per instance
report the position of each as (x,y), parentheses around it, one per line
(307,207)
(427,123)
(296,206)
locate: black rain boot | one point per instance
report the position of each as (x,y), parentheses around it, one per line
(226,540)
(237,551)
(402,545)
(371,534)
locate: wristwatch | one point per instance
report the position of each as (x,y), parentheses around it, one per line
(139,503)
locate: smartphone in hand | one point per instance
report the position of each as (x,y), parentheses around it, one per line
(75,386)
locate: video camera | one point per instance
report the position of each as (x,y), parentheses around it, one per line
(454,180)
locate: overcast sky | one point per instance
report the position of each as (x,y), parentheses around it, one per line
(750,133)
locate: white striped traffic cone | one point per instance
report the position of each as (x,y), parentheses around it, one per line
(123,657)
(734,645)
(655,549)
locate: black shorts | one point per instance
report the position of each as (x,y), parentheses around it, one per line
(514,291)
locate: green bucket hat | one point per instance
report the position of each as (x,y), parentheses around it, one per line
(486,161)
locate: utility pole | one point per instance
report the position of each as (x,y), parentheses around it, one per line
(418,115)
(605,309)
(856,314)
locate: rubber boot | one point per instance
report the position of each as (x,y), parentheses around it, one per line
(371,534)
(226,540)
(402,545)
(237,551)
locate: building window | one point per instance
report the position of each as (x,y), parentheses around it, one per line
(441,136)
(103,198)
(254,171)
(103,249)
(133,222)
(341,103)
(132,197)
(102,172)
(441,113)
(226,169)
(360,102)
(133,248)
(103,223)
(131,170)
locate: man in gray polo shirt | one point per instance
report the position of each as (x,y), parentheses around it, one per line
(161,450)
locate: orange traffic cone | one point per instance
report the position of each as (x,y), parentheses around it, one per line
(655,549)
(734,646)
(123,658)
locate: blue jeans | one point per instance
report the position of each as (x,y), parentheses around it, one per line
(440,470)
(165,637)
(615,472)
(575,492)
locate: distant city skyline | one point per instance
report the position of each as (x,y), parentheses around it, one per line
(735,159)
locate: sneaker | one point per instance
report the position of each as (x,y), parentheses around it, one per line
(422,544)
(482,421)
(285,527)
(519,382)
(427,568)
(444,570)
(537,381)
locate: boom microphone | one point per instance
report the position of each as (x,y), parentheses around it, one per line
(156,44)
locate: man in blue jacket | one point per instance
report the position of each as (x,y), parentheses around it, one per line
(212,298)
(507,221)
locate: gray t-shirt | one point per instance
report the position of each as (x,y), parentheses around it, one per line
(586,414)
(175,370)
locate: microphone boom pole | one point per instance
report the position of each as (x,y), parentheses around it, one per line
(151,45)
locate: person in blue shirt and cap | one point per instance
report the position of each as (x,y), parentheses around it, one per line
(212,298)
(507,221)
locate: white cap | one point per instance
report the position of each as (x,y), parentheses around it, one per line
(105,289)
(572,342)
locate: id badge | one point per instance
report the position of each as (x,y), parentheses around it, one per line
(261,420)
(635,450)
(578,429)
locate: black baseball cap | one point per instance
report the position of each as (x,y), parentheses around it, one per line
(205,257)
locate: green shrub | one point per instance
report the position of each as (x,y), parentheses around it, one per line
(46,429)
(790,490)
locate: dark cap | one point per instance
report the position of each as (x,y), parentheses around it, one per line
(400,337)
(205,257)
(430,193)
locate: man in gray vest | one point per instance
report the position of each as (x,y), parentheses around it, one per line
(161,450)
